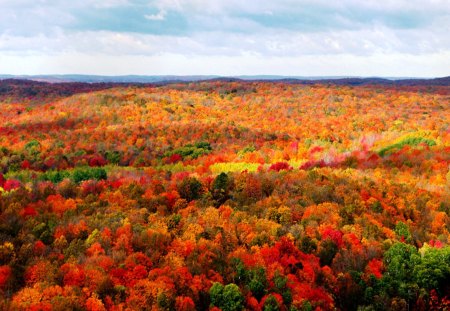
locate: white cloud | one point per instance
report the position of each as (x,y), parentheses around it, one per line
(160,16)
(391,37)
(364,42)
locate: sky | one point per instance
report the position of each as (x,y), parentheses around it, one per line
(389,38)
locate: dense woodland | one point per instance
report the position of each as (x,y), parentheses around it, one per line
(225,196)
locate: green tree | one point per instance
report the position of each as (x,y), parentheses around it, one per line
(190,189)
(221,187)
(227,298)
(398,279)
(271,304)
(402,232)
(433,270)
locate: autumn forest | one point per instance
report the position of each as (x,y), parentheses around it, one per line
(224,195)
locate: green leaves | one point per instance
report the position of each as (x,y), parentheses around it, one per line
(402,232)
(77,175)
(221,187)
(400,260)
(190,189)
(81,174)
(433,269)
(227,298)
(411,141)
(191,151)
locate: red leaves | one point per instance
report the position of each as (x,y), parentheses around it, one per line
(334,235)
(39,248)
(171,198)
(311,164)
(375,267)
(25,165)
(11,184)
(92,187)
(97,160)
(5,274)
(365,195)
(280,166)
(73,274)
(436,244)
(28,211)
(38,272)
(174,158)
(183,303)
(252,304)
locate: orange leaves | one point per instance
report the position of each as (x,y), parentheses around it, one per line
(438,223)
(325,212)
(60,205)
(144,294)
(42,298)
(40,272)
(95,250)
(182,248)
(94,304)
(27,298)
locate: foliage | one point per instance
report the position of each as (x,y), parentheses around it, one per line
(410,141)
(191,151)
(227,298)
(224,195)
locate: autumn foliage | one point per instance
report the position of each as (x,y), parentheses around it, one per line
(225,196)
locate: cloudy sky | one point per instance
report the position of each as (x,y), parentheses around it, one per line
(226,37)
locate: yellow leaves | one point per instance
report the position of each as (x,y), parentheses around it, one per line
(218,168)
(210,218)
(390,234)
(173,260)
(281,215)
(7,246)
(92,238)
(424,249)
(144,294)
(192,231)
(267,226)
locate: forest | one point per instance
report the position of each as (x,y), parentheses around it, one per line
(224,195)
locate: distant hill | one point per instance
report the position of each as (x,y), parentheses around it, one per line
(39,91)
(340,80)
(109,79)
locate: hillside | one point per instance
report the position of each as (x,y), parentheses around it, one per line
(227,194)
